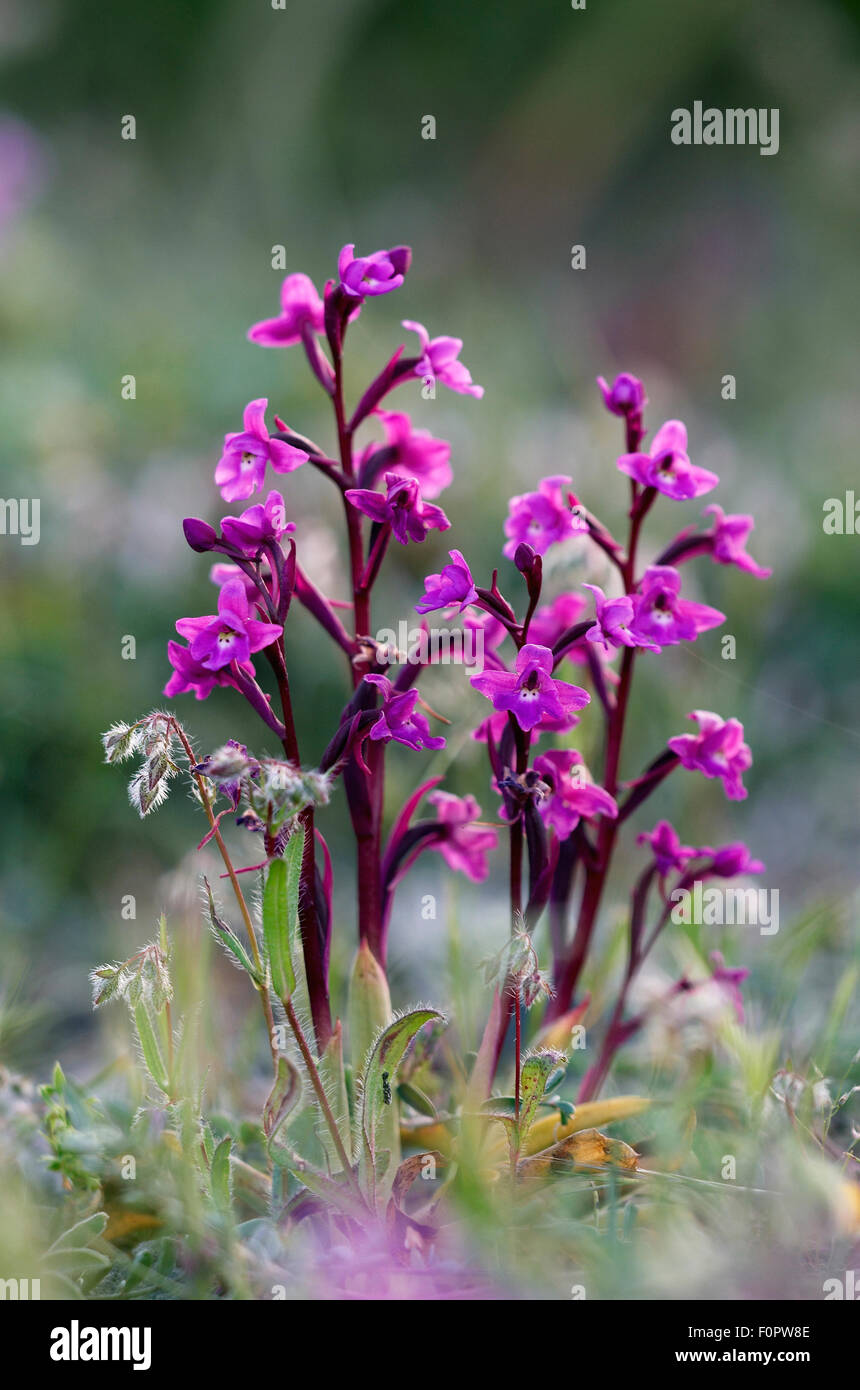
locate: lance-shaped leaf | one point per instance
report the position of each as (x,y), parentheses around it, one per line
(147,1033)
(588,1149)
(388,1052)
(228,938)
(281,914)
(219,1176)
(81,1233)
(283,1097)
(410,1169)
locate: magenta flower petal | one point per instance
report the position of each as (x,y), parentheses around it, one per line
(301,307)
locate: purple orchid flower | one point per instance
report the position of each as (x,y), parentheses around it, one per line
(718,750)
(614,625)
(230,635)
(669,854)
(662,618)
(667,467)
(732,860)
(241,469)
(542,518)
(398,718)
(378,273)
(189,674)
(626,395)
(730,981)
(454,585)
(401,506)
(531,692)
(729,535)
(466,844)
(410,453)
(572,794)
(438,361)
(265,521)
(301,308)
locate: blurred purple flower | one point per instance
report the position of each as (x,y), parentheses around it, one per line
(439,361)
(667,849)
(626,395)
(466,844)
(729,541)
(542,518)
(301,307)
(730,981)
(411,453)
(717,750)
(21,170)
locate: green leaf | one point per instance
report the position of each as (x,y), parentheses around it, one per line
(220,1174)
(536,1071)
(283,1097)
(149,1045)
(388,1052)
(81,1233)
(228,938)
(414,1096)
(281,914)
(70,1261)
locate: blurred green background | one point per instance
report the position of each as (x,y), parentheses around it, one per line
(302,127)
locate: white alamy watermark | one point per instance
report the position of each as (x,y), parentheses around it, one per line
(20,516)
(715,906)
(76,1343)
(707,125)
(444,646)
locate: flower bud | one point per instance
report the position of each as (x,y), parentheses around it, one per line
(199,534)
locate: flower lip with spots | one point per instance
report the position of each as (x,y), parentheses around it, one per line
(531,692)
(542,518)
(230,635)
(667,466)
(662,618)
(241,469)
